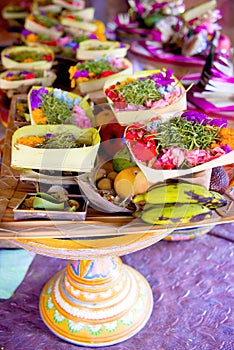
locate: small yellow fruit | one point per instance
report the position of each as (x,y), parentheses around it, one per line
(129,182)
(112,175)
(141,183)
(104,184)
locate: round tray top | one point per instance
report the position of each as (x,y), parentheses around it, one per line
(89,248)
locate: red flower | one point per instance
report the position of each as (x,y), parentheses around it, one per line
(144,151)
(106,73)
(48,58)
(29,76)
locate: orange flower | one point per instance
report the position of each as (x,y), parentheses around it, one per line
(31,141)
(226,138)
(28,60)
(39,116)
(32,38)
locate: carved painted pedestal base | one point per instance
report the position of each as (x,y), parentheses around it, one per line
(96,302)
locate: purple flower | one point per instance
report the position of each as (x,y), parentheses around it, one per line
(221,122)
(92,36)
(122,45)
(226,148)
(37,96)
(24,72)
(47,136)
(81,74)
(161,80)
(10,74)
(195,117)
(26,32)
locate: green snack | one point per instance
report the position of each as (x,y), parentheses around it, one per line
(47,202)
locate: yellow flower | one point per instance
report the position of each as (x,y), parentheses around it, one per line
(72,70)
(100,31)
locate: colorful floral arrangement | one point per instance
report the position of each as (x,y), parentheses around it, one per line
(71,4)
(40,22)
(145,92)
(16,11)
(58,44)
(38,38)
(96,69)
(28,56)
(55,147)
(54,141)
(79,19)
(90,49)
(14,78)
(47,6)
(22,75)
(69,44)
(44,20)
(55,106)
(182,142)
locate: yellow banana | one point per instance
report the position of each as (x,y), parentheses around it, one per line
(175,214)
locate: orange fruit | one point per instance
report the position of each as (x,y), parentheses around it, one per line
(130,181)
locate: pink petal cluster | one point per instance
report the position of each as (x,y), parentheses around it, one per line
(197,156)
(80,118)
(173,157)
(200,156)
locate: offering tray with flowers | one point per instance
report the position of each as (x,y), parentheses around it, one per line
(181,145)
(49,105)
(46,6)
(75,5)
(55,147)
(32,39)
(144,95)
(40,22)
(15,14)
(11,11)
(91,75)
(24,57)
(97,300)
(91,49)
(15,79)
(82,20)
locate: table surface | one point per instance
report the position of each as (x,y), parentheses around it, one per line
(193,290)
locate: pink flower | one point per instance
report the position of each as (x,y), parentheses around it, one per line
(80,118)
(197,156)
(218,152)
(173,157)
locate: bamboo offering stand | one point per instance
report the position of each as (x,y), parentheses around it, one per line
(97,300)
